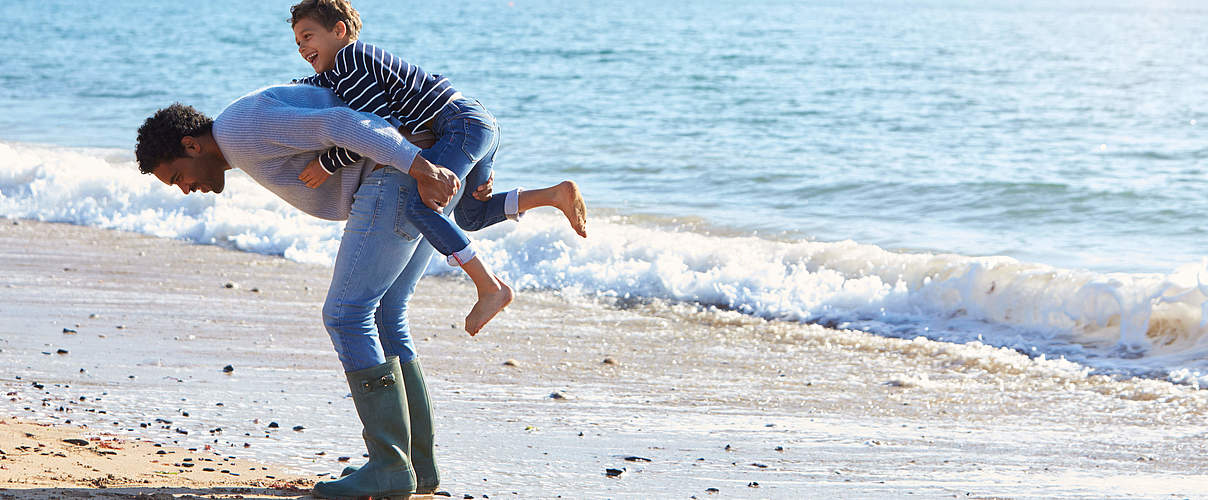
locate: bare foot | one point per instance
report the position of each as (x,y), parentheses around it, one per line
(570,201)
(489,304)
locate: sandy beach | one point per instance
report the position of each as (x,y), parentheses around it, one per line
(140,341)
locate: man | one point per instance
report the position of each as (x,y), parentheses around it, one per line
(271,134)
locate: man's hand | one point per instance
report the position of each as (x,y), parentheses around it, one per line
(436,184)
(313,175)
(483,193)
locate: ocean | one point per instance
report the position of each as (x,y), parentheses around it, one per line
(1013,173)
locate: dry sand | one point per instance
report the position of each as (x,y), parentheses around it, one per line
(557,390)
(43,461)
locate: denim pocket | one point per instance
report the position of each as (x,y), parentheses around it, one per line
(403,227)
(478,138)
(366,206)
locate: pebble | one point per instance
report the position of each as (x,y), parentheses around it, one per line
(273,425)
(77,442)
(558,395)
(228,369)
(610,361)
(712,490)
(753,484)
(232,284)
(298,428)
(69,331)
(62,351)
(637,459)
(614,472)
(511,362)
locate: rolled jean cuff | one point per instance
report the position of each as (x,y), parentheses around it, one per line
(511,205)
(456,259)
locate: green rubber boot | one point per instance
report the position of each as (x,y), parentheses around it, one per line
(382,405)
(422,434)
(423,444)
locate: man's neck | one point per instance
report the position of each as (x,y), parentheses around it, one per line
(209,145)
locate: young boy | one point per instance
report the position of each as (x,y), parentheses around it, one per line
(370,79)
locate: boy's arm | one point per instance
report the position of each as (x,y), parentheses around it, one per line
(337,158)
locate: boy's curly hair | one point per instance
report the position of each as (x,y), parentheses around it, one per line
(328,13)
(159,137)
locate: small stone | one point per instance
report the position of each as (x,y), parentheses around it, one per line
(728,448)
(61,351)
(610,361)
(255,290)
(228,369)
(614,472)
(637,459)
(161,452)
(753,484)
(298,428)
(780,448)
(208,469)
(558,395)
(69,331)
(511,362)
(761,466)
(232,284)
(712,490)
(94,316)
(77,442)
(343,459)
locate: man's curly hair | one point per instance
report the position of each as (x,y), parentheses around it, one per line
(328,13)
(159,137)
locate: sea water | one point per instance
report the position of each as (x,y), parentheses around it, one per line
(1019,174)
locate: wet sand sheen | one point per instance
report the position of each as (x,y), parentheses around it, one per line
(558,390)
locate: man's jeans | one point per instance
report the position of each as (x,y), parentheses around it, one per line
(379,262)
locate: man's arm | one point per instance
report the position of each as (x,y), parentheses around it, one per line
(319,129)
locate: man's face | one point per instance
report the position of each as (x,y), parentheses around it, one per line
(318,45)
(192,174)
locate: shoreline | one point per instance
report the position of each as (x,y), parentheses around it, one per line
(560,388)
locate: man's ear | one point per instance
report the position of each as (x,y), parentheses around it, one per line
(192,146)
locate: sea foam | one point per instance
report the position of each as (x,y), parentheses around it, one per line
(1150,325)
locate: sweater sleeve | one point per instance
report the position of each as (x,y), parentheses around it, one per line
(320,129)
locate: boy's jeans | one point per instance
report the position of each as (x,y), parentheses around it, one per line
(467,139)
(379,262)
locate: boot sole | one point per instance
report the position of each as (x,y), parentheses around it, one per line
(403,495)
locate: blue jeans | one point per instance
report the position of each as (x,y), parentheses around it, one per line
(379,262)
(467,140)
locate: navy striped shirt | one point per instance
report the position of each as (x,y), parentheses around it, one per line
(372,80)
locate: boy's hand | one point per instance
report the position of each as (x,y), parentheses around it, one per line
(313,175)
(483,193)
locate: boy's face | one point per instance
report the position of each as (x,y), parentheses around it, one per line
(318,45)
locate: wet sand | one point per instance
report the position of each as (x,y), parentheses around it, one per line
(562,396)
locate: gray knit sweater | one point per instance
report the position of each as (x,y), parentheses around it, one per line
(272,133)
